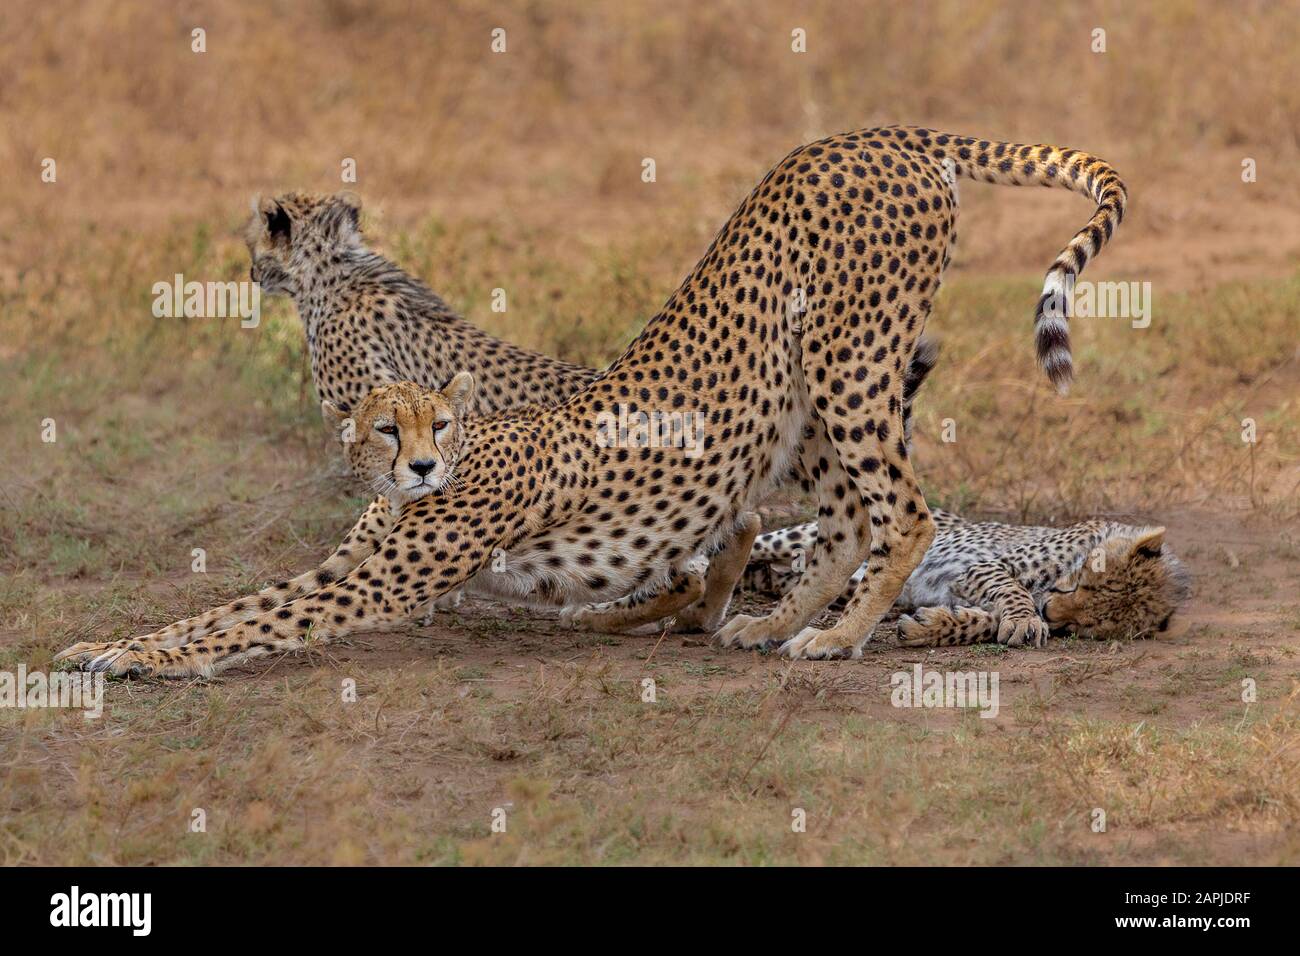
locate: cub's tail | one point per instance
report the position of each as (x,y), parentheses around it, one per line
(1014,164)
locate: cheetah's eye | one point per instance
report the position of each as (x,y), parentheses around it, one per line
(441,423)
(386,429)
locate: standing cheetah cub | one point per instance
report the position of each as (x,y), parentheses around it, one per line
(789,340)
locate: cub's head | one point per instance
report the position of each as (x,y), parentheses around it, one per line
(290,230)
(404,440)
(1129,587)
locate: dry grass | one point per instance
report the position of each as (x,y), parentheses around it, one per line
(586,772)
(522,171)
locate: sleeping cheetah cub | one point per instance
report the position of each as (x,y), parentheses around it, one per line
(984,581)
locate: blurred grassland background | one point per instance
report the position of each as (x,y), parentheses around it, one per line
(522,171)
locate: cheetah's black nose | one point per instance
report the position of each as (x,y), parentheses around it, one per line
(423,467)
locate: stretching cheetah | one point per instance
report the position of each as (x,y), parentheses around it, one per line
(370,323)
(802,315)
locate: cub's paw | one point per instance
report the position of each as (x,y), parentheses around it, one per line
(607,618)
(926,626)
(1020,630)
(449,601)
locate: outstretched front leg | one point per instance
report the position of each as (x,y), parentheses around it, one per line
(432,549)
(358,544)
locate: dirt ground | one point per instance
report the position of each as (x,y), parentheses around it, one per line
(497,710)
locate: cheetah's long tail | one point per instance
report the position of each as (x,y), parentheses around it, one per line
(1014,164)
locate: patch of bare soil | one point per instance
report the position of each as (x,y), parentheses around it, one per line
(1243,622)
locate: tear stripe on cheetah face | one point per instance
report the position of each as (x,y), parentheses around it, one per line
(404,440)
(861,224)
(1097,579)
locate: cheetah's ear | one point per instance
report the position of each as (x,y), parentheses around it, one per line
(334,416)
(459,390)
(349,206)
(273,216)
(1149,543)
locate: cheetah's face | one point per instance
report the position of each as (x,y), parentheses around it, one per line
(404,440)
(1129,588)
(296,227)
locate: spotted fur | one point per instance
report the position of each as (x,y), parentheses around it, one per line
(856,229)
(985,581)
(369,323)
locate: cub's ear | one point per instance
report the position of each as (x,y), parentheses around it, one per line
(348,209)
(334,416)
(459,390)
(1149,543)
(273,216)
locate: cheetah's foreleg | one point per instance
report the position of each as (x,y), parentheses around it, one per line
(358,544)
(384,590)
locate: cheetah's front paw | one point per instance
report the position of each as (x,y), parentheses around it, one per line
(143,663)
(79,654)
(747,632)
(814,644)
(1018,630)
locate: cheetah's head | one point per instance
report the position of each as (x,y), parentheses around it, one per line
(1130,587)
(404,440)
(295,229)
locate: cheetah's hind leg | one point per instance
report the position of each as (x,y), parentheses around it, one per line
(626,615)
(842,541)
(725,571)
(947,627)
(447,602)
